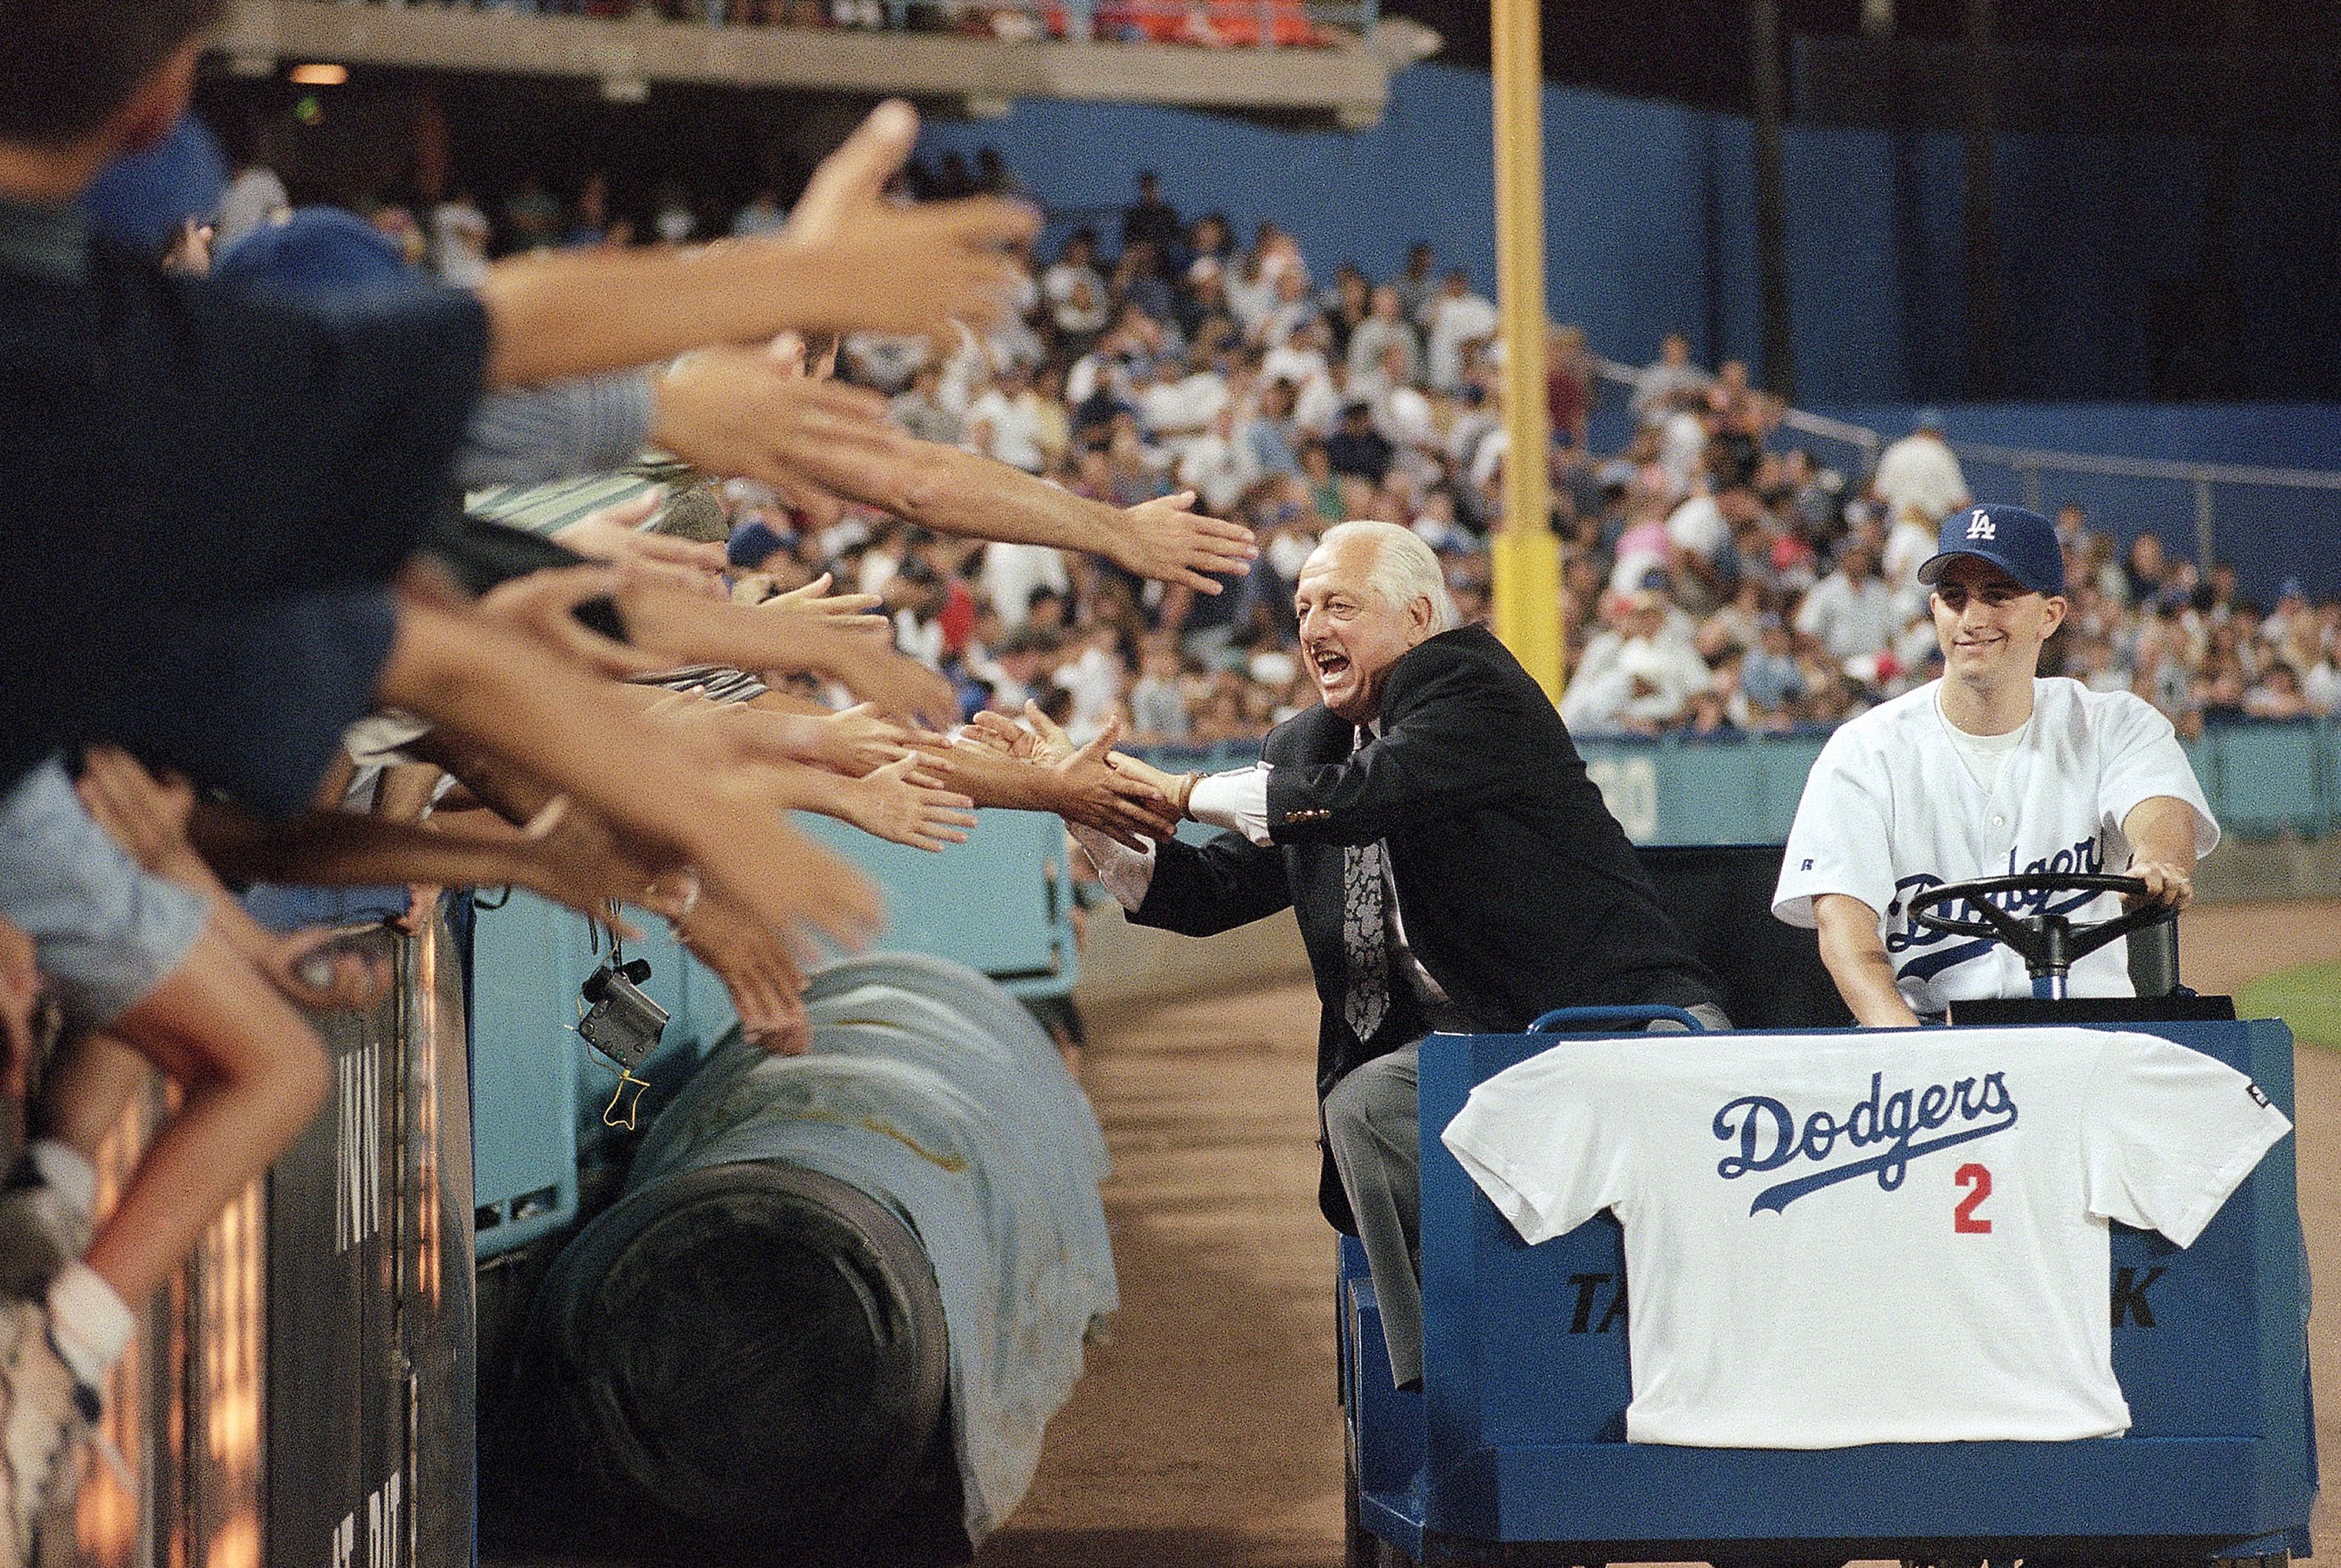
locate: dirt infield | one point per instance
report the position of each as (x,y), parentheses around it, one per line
(1205,1435)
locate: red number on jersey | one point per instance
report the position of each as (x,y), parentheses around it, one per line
(1963,1218)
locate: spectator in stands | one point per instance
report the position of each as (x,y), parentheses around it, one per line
(1851,611)
(1384,327)
(2321,686)
(1734,448)
(1357,449)
(1153,222)
(1451,319)
(1158,704)
(1004,421)
(1770,677)
(2147,574)
(589,215)
(1138,280)
(1703,525)
(1683,432)
(1909,544)
(1351,303)
(1660,383)
(1569,386)
(532,218)
(2277,694)
(1076,263)
(1218,463)
(459,239)
(1414,284)
(919,410)
(1920,473)
(254,197)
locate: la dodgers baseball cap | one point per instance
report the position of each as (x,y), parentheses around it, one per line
(2019,543)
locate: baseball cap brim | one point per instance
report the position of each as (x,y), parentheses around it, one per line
(1932,568)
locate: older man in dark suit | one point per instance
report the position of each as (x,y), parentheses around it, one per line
(1451,866)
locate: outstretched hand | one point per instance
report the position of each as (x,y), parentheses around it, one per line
(896,683)
(891,803)
(740,413)
(542,605)
(766,987)
(939,260)
(1093,795)
(613,534)
(1168,541)
(847,612)
(996,732)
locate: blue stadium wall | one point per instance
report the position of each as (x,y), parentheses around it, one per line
(1651,211)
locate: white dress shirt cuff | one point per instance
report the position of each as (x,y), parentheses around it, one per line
(1235,799)
(1126,873)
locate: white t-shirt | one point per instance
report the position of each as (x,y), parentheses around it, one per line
(1897,1237)
(1850,619)
(1890,810)
(1698,525)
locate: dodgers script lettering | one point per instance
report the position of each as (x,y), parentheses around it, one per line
(1770,1136)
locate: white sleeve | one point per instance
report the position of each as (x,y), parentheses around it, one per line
(1533,1138)
(1841,842)
(1235,799)
(2169,1132)
(1127,872)
(1812,615)
(2143,760)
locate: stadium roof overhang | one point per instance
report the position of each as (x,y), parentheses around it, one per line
(1345,83)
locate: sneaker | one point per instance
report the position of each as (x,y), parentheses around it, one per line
(41,1231)
(45,1413)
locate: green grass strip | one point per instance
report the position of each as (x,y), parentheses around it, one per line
(2307,998)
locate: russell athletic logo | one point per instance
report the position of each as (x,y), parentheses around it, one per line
(1903,1126)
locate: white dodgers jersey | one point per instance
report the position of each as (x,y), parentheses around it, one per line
(1842,1239)
(1891,810)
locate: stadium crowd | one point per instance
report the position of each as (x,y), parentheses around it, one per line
(915,475)
(1208,24)
(1719,579)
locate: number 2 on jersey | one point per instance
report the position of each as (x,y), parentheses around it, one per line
(1963,1218)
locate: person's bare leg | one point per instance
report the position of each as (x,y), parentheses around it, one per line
(253,1076)
(84,1092)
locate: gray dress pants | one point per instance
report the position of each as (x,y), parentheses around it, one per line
(1373,1127)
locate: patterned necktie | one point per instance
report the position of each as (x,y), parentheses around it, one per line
(1364,937)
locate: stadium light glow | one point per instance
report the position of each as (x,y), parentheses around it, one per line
(319,76)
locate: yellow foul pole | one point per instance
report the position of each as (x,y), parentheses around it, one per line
(1526,557)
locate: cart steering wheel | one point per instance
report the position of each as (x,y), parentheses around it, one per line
(2047,942)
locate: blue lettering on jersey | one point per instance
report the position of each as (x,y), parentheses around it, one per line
(1770,1135)
(1903,934)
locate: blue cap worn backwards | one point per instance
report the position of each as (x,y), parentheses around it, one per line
(2019,543)
(317,251)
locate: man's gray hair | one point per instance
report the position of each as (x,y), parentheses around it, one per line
(1405,569)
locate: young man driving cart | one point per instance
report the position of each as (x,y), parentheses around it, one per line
(1990,772)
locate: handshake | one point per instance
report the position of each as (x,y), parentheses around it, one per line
(1093,786)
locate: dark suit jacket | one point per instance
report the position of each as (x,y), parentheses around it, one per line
(1519,889)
